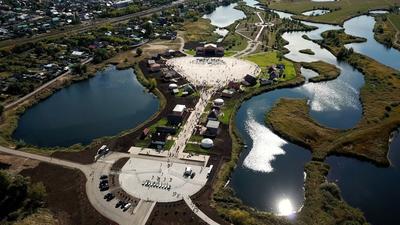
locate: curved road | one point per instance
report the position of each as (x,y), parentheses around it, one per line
(92,173)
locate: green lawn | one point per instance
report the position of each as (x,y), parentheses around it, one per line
(266,59)
(395,19)
(196,149)
(161,122)
(234,42)
(341,10)
(190,52)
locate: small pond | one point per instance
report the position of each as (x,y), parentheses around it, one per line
(104,105)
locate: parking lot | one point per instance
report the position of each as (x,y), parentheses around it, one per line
(161,181)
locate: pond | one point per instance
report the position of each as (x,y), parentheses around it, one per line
(104,105)
(270,171)
(373,189)
(363,26)
(224,16)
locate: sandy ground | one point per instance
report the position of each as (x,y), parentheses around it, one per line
(17,164)
(215,72)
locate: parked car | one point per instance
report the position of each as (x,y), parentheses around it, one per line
(127,206)
(119,203)
(103,177)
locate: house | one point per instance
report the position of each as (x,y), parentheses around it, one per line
(77,54)
(264,82)
(177,115)
(212,128)
(164,129)
(213,115)
(155,67)
(144,134)
(234,85)
(249,80)
(159,139)
(210,50)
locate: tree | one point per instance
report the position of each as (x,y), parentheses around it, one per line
(79,68)
(139,51)
(1,109)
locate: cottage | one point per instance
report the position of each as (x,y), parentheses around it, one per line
(159,139)
(264,82)
(249,80)
(212,128)
(177,115)
(213,115)
(155,67)
(210,50)
(234,85)
(144,134)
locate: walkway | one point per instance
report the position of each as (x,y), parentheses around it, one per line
(92,173)
(252,44)
(197,211)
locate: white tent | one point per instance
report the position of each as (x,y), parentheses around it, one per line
(172,86)
(207,143)
(218,102)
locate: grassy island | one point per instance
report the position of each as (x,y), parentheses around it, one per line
(307,51)
(325,70)
(340,10)
(381,113)
(386,30)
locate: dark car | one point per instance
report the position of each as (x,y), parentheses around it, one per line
(110,198)
(192,175)
(103,177)
(107,195)
(119,203)
(104,188)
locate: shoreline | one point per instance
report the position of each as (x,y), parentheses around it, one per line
(11,121)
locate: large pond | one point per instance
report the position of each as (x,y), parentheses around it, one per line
(269,175)
(372,189)
(106,104)
(224,16)
(362,26)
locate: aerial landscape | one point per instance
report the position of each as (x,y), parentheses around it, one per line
(169,112)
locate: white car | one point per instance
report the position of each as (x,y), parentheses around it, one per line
(127,206)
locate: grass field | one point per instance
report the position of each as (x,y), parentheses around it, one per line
(341,10)
(325,70)
(395,19)
(200,30)
(266,59)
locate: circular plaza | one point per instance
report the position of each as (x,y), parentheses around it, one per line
(161,181)
(213,71)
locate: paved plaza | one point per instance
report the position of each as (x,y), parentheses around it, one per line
(138,171)
(214,72)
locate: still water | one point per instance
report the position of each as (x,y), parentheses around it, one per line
(104,105)
(270,171)
(224,16)
(363,26)
(372,189)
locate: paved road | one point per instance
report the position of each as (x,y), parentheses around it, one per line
(93,173)
(22,99)
(87,26)
(252,44)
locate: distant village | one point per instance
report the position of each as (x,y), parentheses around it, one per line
(27,66)
(21,18)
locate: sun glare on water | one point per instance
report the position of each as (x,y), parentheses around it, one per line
(285,207)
